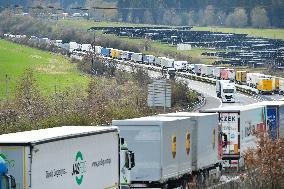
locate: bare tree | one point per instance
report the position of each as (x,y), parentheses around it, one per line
(209,16)
(238,18)
(259,17)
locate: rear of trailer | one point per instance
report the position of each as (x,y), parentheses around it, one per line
(238,124)
(162,148)
(63,157)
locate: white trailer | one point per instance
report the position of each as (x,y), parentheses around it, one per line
(238,124)
(74,46)
(170,149)
(167,63)
(281,86)
(181,65)
(98,49)
(64,157)
(207,70)
(136,57)
(87,48)
(197,69)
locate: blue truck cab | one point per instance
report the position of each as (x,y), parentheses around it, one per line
(6,181)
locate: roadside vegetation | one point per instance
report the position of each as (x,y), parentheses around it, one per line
(45,90)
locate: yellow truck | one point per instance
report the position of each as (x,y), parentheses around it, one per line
(114,53)
(241,77)
(265,85)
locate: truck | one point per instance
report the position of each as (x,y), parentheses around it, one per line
(137,57)
(274,118)
(226,90)
(228,74)
(167,63)
(106,52)
(241,77)
(217,72)
(65,157)
(281,86)
(265,85)
(252,79)
(180,65)
(197,69)
(171,150)
(207,70)
(238,124)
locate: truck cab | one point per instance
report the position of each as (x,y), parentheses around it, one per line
(127,162)
(6,181)
(225,90)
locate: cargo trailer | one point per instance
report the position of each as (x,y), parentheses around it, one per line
(241,77)
(65,157)
(106,52)
(98,49)
(197,69)
(265,85)
(275,118)
(207,70)
(181,65)
(217,72)
(238,124)
(137,57)
(169,150)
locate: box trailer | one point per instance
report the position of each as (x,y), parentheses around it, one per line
(106,52)
(137,57)
(197,69)
(241,77)
(98,49)
(167,62)
(228,74)
(207,70)
(167,149)
(181,65)
(265,85)
(281,86)
(217,72)
(238,124)
(63,157)
(275,118)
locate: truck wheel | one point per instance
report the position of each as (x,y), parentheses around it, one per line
(185,184)
(165,186)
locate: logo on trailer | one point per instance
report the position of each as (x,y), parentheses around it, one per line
(174,146)
(187,142)
(79,168)
(213,138)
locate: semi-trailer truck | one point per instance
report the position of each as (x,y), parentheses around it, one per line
(226,90)
(171,150)
(238,124)
(65,157)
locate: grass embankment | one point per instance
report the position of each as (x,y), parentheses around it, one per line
(51,71)
(267,33)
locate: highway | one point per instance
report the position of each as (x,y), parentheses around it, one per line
(207,90)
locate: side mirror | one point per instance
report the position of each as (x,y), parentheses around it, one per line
(13,182)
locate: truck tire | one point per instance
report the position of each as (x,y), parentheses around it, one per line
(165,186)
(184,184)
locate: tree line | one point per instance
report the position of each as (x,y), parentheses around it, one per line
(230,13)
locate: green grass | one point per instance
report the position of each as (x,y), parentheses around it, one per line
(50,70)
(268,33)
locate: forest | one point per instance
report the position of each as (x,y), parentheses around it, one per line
(231,13)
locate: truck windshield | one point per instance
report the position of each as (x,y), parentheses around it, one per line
(4,182)
(228,90)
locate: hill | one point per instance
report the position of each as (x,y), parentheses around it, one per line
(51,71)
